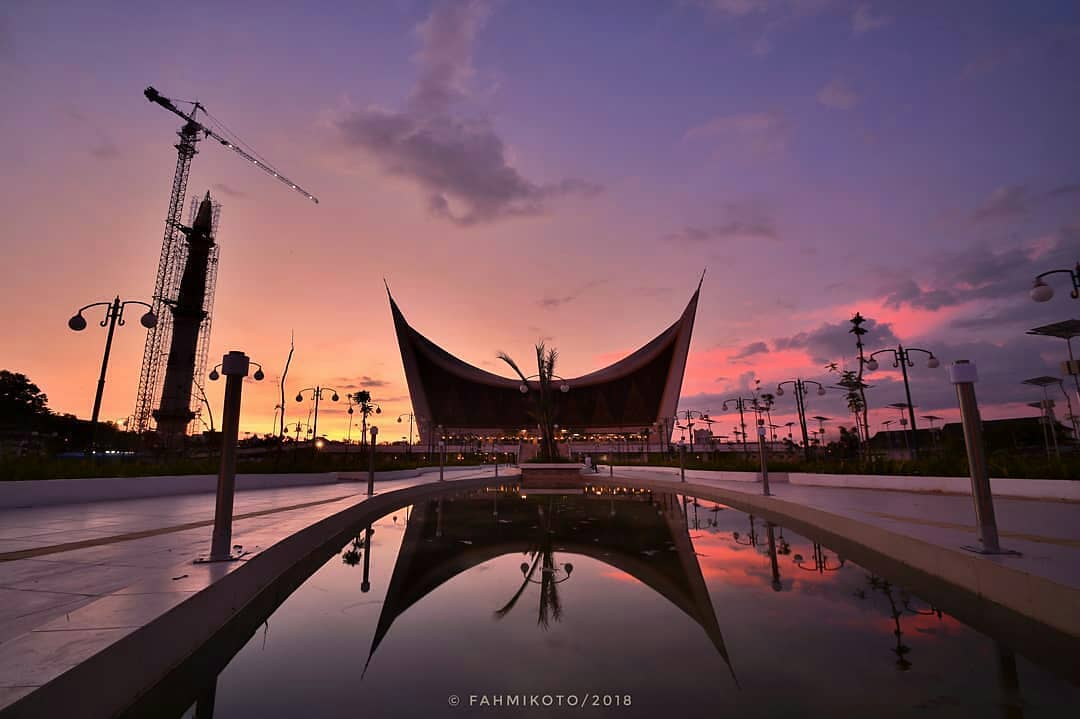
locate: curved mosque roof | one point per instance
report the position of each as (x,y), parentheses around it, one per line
(634,393)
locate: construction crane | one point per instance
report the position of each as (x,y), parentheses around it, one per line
(174,247)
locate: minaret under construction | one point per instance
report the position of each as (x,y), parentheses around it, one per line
(190,314)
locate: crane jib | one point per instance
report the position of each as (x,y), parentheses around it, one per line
(156,97)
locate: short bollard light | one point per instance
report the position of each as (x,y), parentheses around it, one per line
(371,463)
(964,375)
(235,367)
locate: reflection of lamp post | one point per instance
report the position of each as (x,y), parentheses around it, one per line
(408,445)
(800,405)
(821,561)
(114,315)
(902,359)
(751,539)
(316,392)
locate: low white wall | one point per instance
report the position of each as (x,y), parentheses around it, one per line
(691,473)
(1000,486)
(36,493)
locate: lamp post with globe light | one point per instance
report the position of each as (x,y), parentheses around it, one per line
(408,445)
(902,359)
(801,390)
(114,315)
(1042,292)
(316,392)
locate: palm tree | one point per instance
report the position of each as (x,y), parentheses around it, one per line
(543,401)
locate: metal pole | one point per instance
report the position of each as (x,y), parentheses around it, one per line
(113,314)
(371,463)
(964,375)
(761,454)
(800,406)
(682,467)
(235,367)
(315,427)
(911,408)
(442,452)
(742,425)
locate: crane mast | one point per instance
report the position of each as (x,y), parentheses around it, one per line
(174,249)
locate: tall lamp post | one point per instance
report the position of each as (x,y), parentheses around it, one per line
(114,315)
(1066,330)
(690,414)
(408,445)
(799,386)
(316,392)
(902,359)
(741,403)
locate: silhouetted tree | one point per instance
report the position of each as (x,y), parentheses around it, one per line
(21,401)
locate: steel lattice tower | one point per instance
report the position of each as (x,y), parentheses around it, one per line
(167,283)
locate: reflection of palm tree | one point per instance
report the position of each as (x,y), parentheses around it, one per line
(544,558)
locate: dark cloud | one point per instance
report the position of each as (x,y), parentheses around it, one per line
(977,273)
(554,302)
(462,165)
(741,222)
(105,149)
(1004,203)
(910,293)
(751,349)
(350,384)
(1063,190)
(728,231)
(228,190)
(832,341)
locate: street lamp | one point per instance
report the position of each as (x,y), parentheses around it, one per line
(316,392)
(1042,292)
(690,414)
(902,359)
(741,403)
(800,405)
(408,445)
(821,430)
(114,315)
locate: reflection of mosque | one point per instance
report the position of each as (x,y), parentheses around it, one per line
(643,534)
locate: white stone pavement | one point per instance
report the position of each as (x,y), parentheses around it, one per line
(1045,532)
(43,579)
(56,580)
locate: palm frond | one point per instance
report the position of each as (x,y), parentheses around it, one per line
(508,360)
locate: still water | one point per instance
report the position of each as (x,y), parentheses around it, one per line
(612,603)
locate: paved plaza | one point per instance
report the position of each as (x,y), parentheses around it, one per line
(134,557)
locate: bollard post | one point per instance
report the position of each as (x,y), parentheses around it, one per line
(964,375)
(371,463)
(235,367)
(682,460)
(761,454)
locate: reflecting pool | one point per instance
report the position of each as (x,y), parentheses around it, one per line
(613,602)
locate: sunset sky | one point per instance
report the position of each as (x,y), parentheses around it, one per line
(558,170)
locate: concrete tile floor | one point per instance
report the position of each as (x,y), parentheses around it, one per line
(62,606)
(1047,533)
